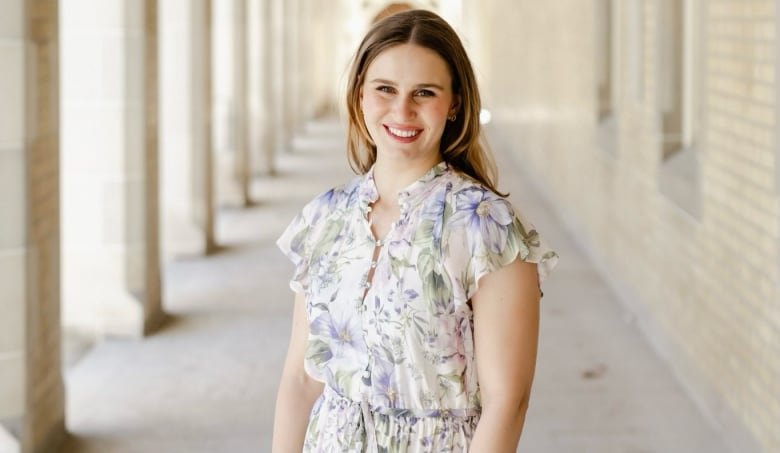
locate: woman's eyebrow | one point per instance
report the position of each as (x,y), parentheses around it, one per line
(418,86)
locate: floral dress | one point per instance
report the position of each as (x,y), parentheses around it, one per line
(396,351)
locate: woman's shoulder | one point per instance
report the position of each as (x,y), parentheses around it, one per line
(465,192)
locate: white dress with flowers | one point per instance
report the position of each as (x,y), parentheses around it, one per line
(396,353)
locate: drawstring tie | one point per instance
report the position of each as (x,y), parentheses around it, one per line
(368,422)
(367,413)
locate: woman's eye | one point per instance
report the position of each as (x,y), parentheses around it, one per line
(385,89)
(425,93)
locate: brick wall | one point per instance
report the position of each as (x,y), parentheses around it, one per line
(704,288)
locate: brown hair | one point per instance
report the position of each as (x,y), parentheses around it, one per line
(461,143)
(389,10)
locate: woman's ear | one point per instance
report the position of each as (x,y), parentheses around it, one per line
(455,107)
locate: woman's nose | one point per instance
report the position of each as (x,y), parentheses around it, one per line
(404,107)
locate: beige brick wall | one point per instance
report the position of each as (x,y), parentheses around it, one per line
(704,289)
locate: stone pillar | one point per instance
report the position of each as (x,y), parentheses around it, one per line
(146,284)
(31,386)
(111,272)
(185,137)
(231,144)
(260,87)
(203,117)
(279,75)
(242,170)
(292,69)
(304,106)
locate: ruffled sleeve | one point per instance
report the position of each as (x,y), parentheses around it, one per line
(296,239)
(497,236)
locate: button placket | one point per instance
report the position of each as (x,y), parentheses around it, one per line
(367,315)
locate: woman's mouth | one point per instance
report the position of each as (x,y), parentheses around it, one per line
(403,135)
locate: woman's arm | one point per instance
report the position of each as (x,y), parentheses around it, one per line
(297,391)
(506,330)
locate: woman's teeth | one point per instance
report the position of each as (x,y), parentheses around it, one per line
(402,133)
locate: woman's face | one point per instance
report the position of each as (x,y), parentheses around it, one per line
(406,98)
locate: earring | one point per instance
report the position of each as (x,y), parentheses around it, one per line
(452,117)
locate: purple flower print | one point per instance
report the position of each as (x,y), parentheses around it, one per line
(325,199)
(383,380)
(345,333)
(433,211)
(486,217)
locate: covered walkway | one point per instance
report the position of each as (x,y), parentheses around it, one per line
(207,381)
(151,151)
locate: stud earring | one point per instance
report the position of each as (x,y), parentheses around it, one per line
(452,117)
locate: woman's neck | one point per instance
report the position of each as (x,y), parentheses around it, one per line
(392,177)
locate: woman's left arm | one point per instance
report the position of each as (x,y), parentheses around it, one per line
(506,331)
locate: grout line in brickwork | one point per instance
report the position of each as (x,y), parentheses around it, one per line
(741,119)
(724,223)
(742,148)
(745,148)
(750,164)
(743,80)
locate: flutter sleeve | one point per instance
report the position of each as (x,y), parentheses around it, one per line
(496,236)
(296,239)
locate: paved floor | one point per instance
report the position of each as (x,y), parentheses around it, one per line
(206,383)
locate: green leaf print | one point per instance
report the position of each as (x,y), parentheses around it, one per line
(452,382)
(424,263)
(344,380)
(530,237)
(298,241)
(423,235)
(397,266)
(318,352)
(325,242)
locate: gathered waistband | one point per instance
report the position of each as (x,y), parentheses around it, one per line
(368,412)
(402,412)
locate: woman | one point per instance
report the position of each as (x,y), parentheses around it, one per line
(417,286)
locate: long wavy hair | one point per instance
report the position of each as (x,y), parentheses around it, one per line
(462,144)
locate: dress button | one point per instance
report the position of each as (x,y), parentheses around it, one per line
(379,243)
(373,264)
(366,373)
(367,285)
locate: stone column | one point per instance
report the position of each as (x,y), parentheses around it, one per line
(240,47)
(292,69)
(111,267)
(260,86)
(241,92)
(304,107)
(31,386)
(147,285)
(203,118)
(185,137)
(279,75)
(231,154)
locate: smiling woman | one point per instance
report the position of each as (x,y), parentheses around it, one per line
(405,107)
(414,279)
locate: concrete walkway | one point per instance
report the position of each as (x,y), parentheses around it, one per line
(207,381)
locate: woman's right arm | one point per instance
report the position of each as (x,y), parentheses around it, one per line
(297,390)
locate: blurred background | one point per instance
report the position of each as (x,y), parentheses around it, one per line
(151,151)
